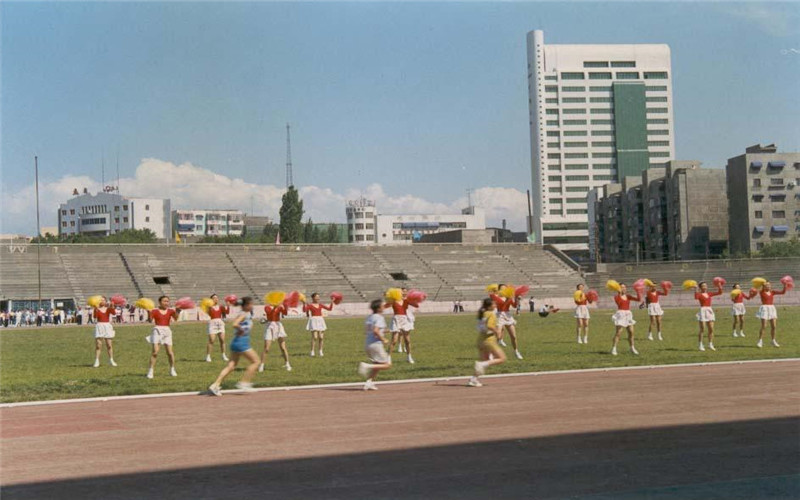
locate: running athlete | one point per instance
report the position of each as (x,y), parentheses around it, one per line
(240,347)
(489,351)
(374,346)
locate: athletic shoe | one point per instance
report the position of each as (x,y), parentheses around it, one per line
(150,373)
(760,343)
(225,357)
(503,343)
(660,337)
(518,355)
(711,346)
(474,382)
(634,351)
(363,369)
(369,385)
(410,360)
(775,343)
(735,333)
(288,367)
(649,335)
(96,363)
(112,362)
(208,358)
(613,351)
(172,371)
(702,347)
(399,347)
(244,386)
(312,354)
(480,367)
(580,340)
(261,367)
(741,334)
(586,339)
(215,390)
(321,354)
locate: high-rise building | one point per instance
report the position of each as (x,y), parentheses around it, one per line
(598,114)
(108,213)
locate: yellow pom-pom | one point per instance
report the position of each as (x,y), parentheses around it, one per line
(758,282)
(394,294)
(94,300)
(274,298)
(647,282)
(492,287)
(206,304)
(613,286)
(507,292)
(578,296)
(735,293)
(145,303)
(302,297)
(689,284)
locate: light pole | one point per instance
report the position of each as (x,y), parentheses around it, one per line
(38,235)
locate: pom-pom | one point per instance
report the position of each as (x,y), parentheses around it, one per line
(719,281)
(735,293)
(493,287)
(336,297)
(119,300)
(507,292)
(758,283)
(689,284)
(274,298)
(231,299)
(613,286)
(754,291)
(521,290)
(301,297)
(577,296)
(666,285)
(639,285)
(145,303)
(647,282)
(206,304)
(416,297)
(94,300)
(592,296)
(292,299)
(394,295)
(788,282)
(185,303)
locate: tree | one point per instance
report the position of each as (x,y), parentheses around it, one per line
(291,215)
(308,232)
(333,234)
(789,248)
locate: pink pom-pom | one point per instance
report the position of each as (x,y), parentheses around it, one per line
(666,285)
(719,281)
(639,285)
(119,300)
(788,281)
(231,299)
(416,297)
(184,303)
(337,297)
(293,299)
(592,296)
(521,290)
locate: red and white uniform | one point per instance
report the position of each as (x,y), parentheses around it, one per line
(215,324)
(623,317)
(651,299)
(706,314)
(400,321)
(738,308)
(162,333)
(767,308)
(504,316)
(275,328)
(102,327)
(316,321)
(582,307)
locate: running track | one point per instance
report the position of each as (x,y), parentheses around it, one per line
(716,431)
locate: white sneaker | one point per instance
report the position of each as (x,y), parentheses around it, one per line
(399,347)
(660,337)
(480,367)
(735,333)
(474,382)
(410,360)
(741,334)
(172,371)
(775,343)
(518,355)
(208,358)
(586,339)
(702,347)
(215,390)
(288,367)
(634,351)
(112,362)
(225,357)
(649,335)
(321,354)
(613,351)
(711,346)
(503,343)
(244,386)
(580,339)
(96,363)
(312,354)
(760,343)
(261,367)
(150,373)
(369,385)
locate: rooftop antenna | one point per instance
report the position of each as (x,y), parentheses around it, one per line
(117,169)
(469,197)
(289,179)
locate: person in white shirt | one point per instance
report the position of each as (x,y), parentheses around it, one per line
(374,346)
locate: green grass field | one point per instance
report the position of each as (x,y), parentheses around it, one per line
(55,363)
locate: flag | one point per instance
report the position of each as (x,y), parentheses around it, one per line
(278,238)
(177,237)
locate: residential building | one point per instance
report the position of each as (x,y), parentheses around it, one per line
(108,213)
(654,213)
(361,221)
(763,197)
(208,222)
(598,114)
(255,224)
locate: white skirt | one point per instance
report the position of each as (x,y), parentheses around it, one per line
(104,331)
(505,319)
(582,312)
(400,323)
(767,312)
(274,331)
(654,309)
(316,324)
(216,326)
(376,353)
(623,318)
(705,315)
(738,309)
(160,335)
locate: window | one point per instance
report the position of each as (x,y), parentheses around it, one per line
(368,215)
(116,220)
(657,121)
(574,132)
(573,89)
(623,64)
(551,77)
(574,122)
(551,111)
(655,75)
(603,144)
(555,190)
(556,212)
(147,219)
(658,143)
(776,181)
(556,201)
(657,110)
(554,178)
(72,223)
(556,167)
(551,88)
(758,214)
(63,212)
(552,123)
(551,100)
(360,237)
(600,89)
(64,224)
(572,100)
(553,156)
(602,177)
(124,207)
(777,197)
(658,132)
(359,226)
(125,220)
(778,214)
(602,155)
(553,145)
(600,76)
(602,122)
(370,237)
(116,208)
(577,166)
(576,200)
(574,111)
(72,211)
(656,88)
(756,182)
(601,99)
(576,144)
(577,189)
(564,239)
(576,211)
(656,99)
(576,155)
(602,111)
(595,64)
(627,75)
(660,154)
(602,132)
(572,76)
(758,198)
(553,133)
(577,177)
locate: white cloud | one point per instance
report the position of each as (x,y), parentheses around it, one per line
(190,186)
(777,19)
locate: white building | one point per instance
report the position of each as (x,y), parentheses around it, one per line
(107,213)
(208,222)
(598,113)
(366,227)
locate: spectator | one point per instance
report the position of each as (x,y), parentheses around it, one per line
(531,304)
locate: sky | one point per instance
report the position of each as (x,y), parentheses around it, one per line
(410,104)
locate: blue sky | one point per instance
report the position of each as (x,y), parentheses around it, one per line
(422,100)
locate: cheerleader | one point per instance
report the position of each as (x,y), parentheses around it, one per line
(623,318)
(316,322)
(374,346)
(216,327)
(240,347)
(706,314)
(768,313)
(738,309)
(275,331)
(103,332)
(401,326)
(654,310)
(489,351)
(162,334)
(581,314)
(506,320)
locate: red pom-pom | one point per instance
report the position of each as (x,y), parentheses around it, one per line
(184,303)
(666,285)
(754,291)
(231,299)
(337,297)
(719,281)
(416,297)
(592,296)
(521,290)
(119,300)
(293,299)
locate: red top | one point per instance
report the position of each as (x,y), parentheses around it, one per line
(162,318)
(503,305)
(400,308)
(739,299)
(274,312)
(705,298)
(103,316)
(652,297)
(316,309)
(768,297)
(624,301)
(216,312)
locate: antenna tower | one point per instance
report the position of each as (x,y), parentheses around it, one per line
(289,179)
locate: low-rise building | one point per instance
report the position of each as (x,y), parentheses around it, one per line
(207,222)
(108,213)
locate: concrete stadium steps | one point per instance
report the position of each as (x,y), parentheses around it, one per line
(363,271)
(102,274)
(19,276)
(139,264)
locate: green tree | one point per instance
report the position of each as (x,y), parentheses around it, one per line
(333,234)
(789,248)
(308,232)
(291,216)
